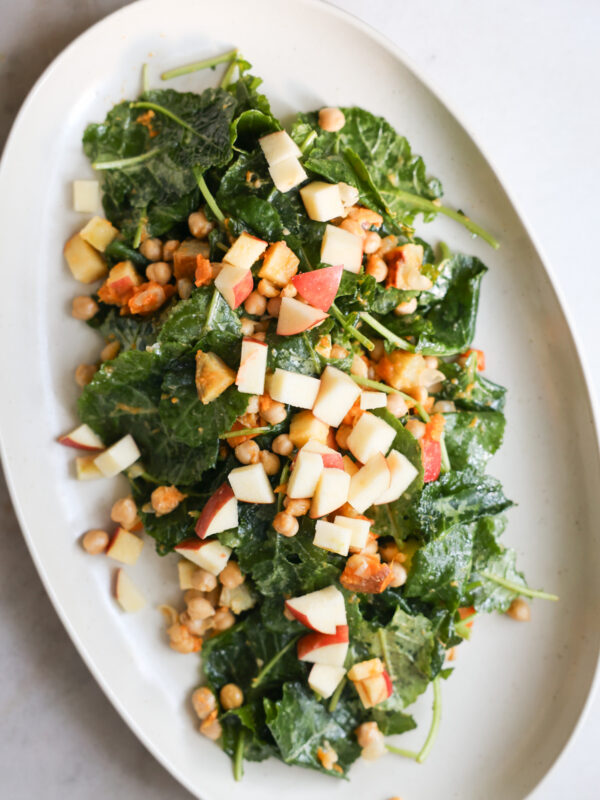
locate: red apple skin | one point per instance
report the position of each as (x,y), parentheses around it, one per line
(388,683)
(332,460)
(223,494)
(287,328)
(121,285)
(243,289)
(431,454)
(299,616)
(72,443)
(314,641)
(319,287)
(190,544)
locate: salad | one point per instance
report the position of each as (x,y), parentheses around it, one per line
(289,385)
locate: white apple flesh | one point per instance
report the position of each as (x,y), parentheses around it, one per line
(127,595)
(125,547)
(219,514)
(331,458)
(324,679)
(85,263)
(359,531)
(331,537)
(235,284)
(331,492)
(323,648)
(118,457)
(251,484)
(292,388)
(369,483)
(370,400)
(86,196)
(82,438)
(296,317)
(245,251)
(287,174)
(322,610)
(185,570)
(402,474)
(250,377)
(370,435)
(211,556)
(322,201)
(305,475)
(278,146)
(99,233)
(342,247)
(86,470)
(337,395)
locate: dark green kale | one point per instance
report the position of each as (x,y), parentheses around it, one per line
(472,437)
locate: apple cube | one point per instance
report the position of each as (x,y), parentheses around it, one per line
(211,556)
(185,258)
(359,531)
(305,426)
(125,546)
(337,395)
(251,484)
(278,146)
(332,537)
(322,610)
(402,474)
(253,367)
(370,400)
(342,247)
(287,173)
(305,475)
(86,196)
(324,679)
(331,492)
(330,457)
(296,317)
(238,599)
(349,466)
(85,263)
(369,483)
(322,201)
(320,286)
(325,648)
(280,264)
(370,435)
(99,233)
(82,438)
(363,670)
(219,514)
(86,470)
(245,251)
(118,457)
(292,388)
(127,595)
(213,376)
(185,570)
(235,284)
(118,287)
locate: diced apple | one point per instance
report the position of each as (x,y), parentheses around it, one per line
(85,263)
(322,610)
(305,426)
(213,376)
(324,679)
(280,264)
(219,514)
(86,196)
(253,367)
(359,531)
(251,484)
(185,570)
(86,470)
(82,438)
(322,201)
(278,146)
(331,458)
(293,389)
(342,247)
(99,233)
(325,648)
(235,284)
(237,599)
(370,400)
(245,251)
(296,317)
(127,595)
(331,492)
(351,467)
(287,173)
(337,395)
(211,556)
(305,475)
(118,457)
(370,435)
(369,483)
(431,456)
(120,283)
(125,546)
(320,286)
(363,670)
(332,537)
(185,258)
(402,474)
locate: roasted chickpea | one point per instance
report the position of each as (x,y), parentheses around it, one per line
(331,119)
(160,272)
(84,307)
(282,445)
(124,513)
(269,461)
(169,249)
(203,702)
(519,610)
(199,225)
(397,405)
(267,289)
(247,452)
(408,307)
(416,428)
(110,351)
(297,507)
(84,374)
(151,249)
(231,576)
(202,580)
(285,524)
(95,542)
(231,696)
(256,304)
(200,608)
(184,288)
(273,306)
(223,619)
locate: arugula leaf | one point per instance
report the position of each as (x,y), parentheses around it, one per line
(205,312)
(472,437)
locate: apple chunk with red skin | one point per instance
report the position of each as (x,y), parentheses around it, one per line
(235,284)
(324,679)
(320,286)
(211,556)
(82,438)
(331,458)
(322,610)
(296,317)
(324,648)
(219,514)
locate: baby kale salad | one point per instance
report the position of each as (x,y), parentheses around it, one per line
(288,383)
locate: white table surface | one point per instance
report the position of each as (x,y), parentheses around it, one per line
(525,79)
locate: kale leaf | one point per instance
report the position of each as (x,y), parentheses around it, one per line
(468,389)
(472,437)
(205,312)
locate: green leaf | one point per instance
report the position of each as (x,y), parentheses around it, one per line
(204,318)
(491,557)
(132,332)
(468,389)
(472,437)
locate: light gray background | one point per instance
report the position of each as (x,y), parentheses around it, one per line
(525,78)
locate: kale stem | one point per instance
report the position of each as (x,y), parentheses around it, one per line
(283,479)
(383,387)
(270,664)
(386,653)
(518,589)
(196,66)
(165,112)
(139,230)
(445,251)
(243,432)
(226,79)
(401,752)
(238,758)
(123,163)
(445,466)
(435,722)
(335,697)
(210,200)
(350,329)
(212,308)
(145,79)
(308,141)
(387,334)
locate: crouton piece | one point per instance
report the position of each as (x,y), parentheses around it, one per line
(280,264)
(184,258)
(213,376)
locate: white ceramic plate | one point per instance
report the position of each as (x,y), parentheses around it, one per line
(518,690)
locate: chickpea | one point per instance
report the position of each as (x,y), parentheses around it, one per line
(431,362)
(160,272)
(408,307)
(331,119)
(353,226)
(256,304)
(297,507)
(247,452)
(389,551)
(84,374)
(192,594)
(400,575)
(169,249)
(273,306)
(397,405)
(110,351)
(342,434)
(269,461)
(202,580)
(377,267)
(372,242)
(231,696)
(124,513)
(199,225)
(84,307)
(184,288)
(367,733)
(378,351)
(95,542)
(197,627)
(200,608)
(289,290)
(267,289)
(419,394)
(181,640)
(416,428)
(444,407)
(519,610)
(165,499)
(348,194)
(388,243)
(204,702)
(337,351)
(253,405)
(223,619)
(151,249)
(359,366)
(285,524)
(274,414)
(371,546)
(247,326)
(211,728)
(231,576)
(282,445)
